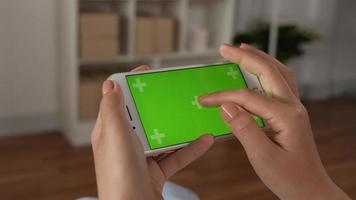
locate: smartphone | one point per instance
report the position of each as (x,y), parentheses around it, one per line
(162,105)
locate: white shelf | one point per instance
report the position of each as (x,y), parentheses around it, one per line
(150,58)
(219,23)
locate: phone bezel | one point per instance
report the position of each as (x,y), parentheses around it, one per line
(133,117)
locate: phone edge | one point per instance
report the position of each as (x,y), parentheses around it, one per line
(251,80)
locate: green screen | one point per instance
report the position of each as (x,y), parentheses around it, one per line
(168,107)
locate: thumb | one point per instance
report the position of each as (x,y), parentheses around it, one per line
(112,108)
(244,127)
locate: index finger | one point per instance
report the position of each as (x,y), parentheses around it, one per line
(271,79)
(285,71)
(253,102)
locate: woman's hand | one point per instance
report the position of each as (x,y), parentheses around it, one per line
(287,161)
(122,170)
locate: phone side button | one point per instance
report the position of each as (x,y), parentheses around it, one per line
(128,111)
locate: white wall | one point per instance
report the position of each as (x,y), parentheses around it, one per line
(314,69)
(344,46)
(28,89)
(328,67)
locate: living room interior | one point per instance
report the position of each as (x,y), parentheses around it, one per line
(55,55)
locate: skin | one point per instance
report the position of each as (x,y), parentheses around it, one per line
(286,161)
(122,170)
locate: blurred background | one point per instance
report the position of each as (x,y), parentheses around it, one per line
(55,54)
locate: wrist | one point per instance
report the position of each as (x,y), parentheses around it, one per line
(330,190)
(337,193)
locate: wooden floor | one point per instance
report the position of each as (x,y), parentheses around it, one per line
(46,167)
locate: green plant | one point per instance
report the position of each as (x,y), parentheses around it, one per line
(290,39)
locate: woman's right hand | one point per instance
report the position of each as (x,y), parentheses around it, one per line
(287,161)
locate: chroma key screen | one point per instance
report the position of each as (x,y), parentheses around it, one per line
(168,106)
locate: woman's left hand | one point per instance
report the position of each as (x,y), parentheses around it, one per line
(122,169)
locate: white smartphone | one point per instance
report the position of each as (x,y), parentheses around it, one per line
(163,108)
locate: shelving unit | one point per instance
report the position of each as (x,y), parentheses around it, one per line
(220,27)
(215,16)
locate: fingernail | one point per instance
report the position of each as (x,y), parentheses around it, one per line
(108,86)
(225,50)
(209,138)
(204,97)
(201,98)
(230,110)
(244,45)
